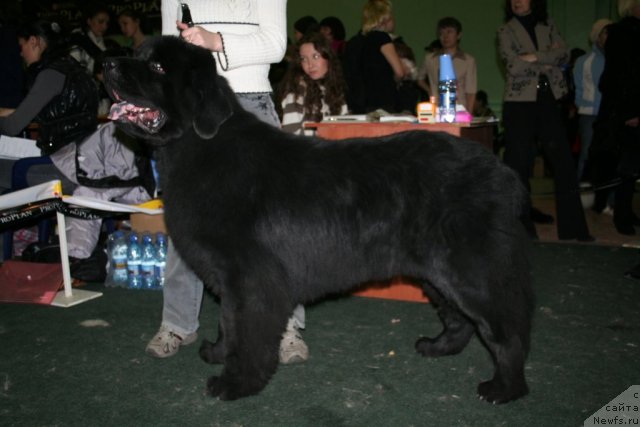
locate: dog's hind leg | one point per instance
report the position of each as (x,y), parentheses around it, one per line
(508,352)
(503,320)
(457,331)
(498,307)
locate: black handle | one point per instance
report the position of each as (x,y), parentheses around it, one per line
(186,15)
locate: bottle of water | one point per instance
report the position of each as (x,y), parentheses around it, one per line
(161,259)
(148,262)
(447,85)
(118,261)
(134,259)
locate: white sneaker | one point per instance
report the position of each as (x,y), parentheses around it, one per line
(166,343)
(292,348)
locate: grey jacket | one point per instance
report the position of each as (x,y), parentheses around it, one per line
(522,76)
(100,155)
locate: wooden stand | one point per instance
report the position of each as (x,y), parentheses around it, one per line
(481,133)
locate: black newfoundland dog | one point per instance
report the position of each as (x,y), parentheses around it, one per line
(269,220)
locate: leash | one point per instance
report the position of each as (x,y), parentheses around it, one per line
(591,188)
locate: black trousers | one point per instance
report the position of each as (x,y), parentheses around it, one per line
(528,123)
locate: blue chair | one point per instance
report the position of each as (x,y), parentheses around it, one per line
(19,181)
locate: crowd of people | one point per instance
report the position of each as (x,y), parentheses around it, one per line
(65,98)
(327,74)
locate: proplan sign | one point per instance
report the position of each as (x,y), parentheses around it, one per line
(624,410)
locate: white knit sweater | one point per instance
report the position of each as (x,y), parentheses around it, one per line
(254,34)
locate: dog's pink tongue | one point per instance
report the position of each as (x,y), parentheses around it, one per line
(117,110)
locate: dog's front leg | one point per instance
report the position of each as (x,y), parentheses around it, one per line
(214,352)
(251,327)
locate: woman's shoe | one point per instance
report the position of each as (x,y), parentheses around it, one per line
(624,227)
(540,217)
(634,273)
(585,239)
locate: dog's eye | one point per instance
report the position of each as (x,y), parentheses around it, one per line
(156,67)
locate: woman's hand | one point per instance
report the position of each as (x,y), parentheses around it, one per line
(4,112)
(200,37)
(529,57)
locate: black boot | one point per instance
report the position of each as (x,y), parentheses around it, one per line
(540,217)
(633,273)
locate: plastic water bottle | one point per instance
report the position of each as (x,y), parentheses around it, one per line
(134,259)
(118,262)
(447,85)
(161,259)
(148,263)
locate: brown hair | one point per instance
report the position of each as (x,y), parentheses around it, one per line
(298,83)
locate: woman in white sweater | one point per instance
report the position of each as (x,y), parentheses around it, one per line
(245,38)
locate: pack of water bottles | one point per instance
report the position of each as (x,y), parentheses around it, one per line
(136,260)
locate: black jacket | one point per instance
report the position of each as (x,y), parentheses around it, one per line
(72,115)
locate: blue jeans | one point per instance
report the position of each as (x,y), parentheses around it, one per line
(183,290)
(585,129)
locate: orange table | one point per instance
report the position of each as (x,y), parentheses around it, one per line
(482,132)
(400,289)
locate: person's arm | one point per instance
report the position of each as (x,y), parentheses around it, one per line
(556,53)
(388,50)
(292,115)
(422,77)
(471,100)
(48,84)
(432,65)
(265,46)
(578,80)
(516,64)
(519,64)
(471,83)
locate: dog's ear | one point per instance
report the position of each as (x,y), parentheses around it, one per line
(213,107)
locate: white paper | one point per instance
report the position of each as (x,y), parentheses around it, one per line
(346,118)
(104,205)
(53,189)
(47,190)
(18,148)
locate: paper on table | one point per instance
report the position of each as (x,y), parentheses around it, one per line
(17,148)
(346,118)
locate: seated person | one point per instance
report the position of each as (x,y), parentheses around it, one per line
(108,165)
(313,86)
(481,106)
(63,101)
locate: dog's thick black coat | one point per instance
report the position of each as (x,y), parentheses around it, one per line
(269,220)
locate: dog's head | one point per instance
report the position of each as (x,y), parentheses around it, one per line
(165,90)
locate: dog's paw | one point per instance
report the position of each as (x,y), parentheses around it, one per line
(217,387)
(223,389)
(427,347)
(495,392)
(430,347)
(211,353)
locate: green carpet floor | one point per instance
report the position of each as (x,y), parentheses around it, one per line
(363,370)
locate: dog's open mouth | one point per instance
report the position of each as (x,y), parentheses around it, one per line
(149,119)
